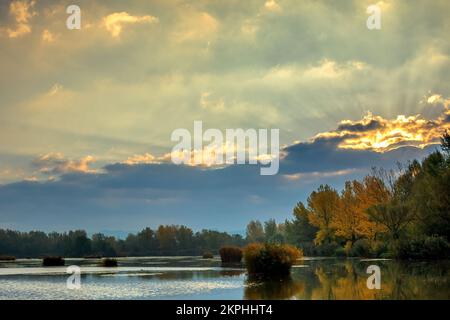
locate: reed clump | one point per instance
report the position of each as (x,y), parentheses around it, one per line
(231,254)
(270,259)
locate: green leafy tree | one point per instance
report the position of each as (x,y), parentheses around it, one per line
(445,142)
(395,217)
(271,230)
(299,231)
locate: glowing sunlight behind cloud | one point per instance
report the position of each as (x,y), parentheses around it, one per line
(380,134)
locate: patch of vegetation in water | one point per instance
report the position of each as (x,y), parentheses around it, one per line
(270,259)
(231,254)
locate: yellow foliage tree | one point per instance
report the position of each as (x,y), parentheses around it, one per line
(322,206)
(351,220)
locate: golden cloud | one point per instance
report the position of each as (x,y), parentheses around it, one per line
(379,134)
(22,11)
(208,156)
(114,22)
(211,156)
(146,158)
(57,163)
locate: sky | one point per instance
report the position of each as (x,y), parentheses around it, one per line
(86,115)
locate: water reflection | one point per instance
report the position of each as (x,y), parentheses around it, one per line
(346,279)
(274,289)
(195,278)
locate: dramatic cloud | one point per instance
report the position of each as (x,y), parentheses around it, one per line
(149,190)
(137,70)
(373,133)
(379,134)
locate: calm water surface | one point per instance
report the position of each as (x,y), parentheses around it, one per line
(196,278)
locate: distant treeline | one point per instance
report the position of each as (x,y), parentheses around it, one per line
(402,214)
(166,240)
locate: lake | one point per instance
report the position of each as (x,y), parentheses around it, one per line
(196,278)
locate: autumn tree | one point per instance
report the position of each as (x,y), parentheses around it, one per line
(322,206)
(350,221)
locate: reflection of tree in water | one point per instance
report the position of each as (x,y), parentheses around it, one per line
(344,281)
(347,279)
(419,280)
(399,280)
(274,289)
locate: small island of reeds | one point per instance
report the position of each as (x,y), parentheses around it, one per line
(231,254)
(267,260)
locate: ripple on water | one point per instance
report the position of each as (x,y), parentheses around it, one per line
(129,288)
